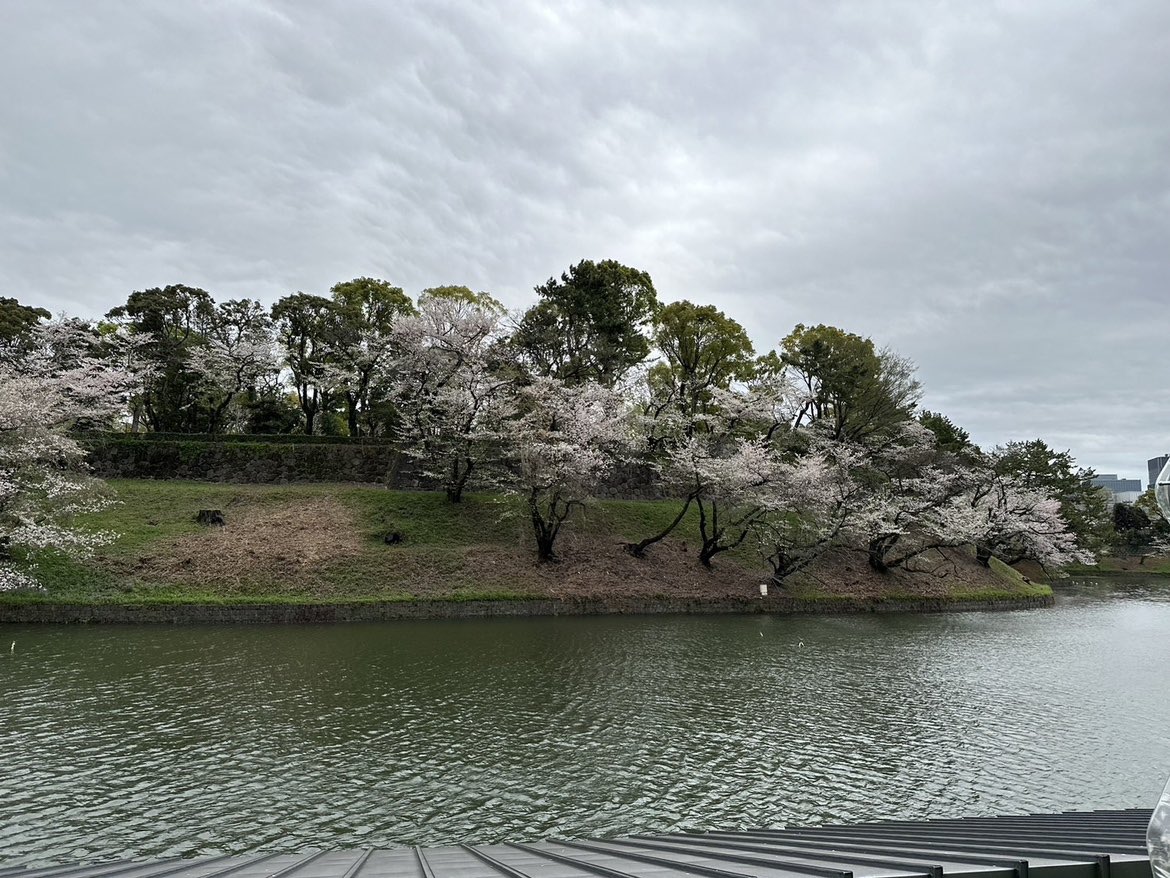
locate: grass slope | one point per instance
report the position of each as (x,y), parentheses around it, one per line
(1124,565)
(324,543)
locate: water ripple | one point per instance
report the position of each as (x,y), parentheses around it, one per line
(145,742)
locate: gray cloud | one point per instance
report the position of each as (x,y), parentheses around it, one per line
(984,187)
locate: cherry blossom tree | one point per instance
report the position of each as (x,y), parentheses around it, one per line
(566,442)
(706,452)
(925,498)
(913,489)
(728,482)
(44,485)
(811,503)
(453,391)
(238,355)
(129,353)
(1013,522)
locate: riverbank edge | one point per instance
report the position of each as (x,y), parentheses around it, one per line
(385,611)
(1099,573)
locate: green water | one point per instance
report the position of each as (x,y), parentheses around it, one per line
(157,741)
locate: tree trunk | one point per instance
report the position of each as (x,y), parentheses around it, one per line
(783,564)
(638,550)
(709,550)
(545,533)
(352,416)
(879,548)
(458,480)
(983,554)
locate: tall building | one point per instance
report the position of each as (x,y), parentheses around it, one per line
(1155,464)
(1123,490)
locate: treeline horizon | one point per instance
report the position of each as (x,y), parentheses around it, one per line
(320,380)
(347,331)
(816,443)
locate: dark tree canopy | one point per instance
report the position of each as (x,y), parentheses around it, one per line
(703,349)
(173,321)
(1037,466)
(306,328)
(17,319)
(951,437)
(366,311)
(849,385)
(589,324)
(172,313)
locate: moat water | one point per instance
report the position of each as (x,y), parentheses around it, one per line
(159,741)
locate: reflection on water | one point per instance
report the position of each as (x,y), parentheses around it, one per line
(156,741)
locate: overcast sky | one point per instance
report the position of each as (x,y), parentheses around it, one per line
(985,187)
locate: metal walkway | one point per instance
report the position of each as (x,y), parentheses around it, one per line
(1096,844)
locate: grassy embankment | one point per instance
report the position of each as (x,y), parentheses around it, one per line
(1124,565)
(323,543)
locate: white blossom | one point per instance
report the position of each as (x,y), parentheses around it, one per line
(566,442)
(452,394)
(43,480)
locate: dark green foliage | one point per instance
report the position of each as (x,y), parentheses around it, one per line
(245,438)
(1034,465)
(306,329)
(703,350)
(173,320)
(367,309)
(288,459)
(270,411)
(851,387)
(1131,525)
(589,325)
(951,437)
(1139,527)
(16,319)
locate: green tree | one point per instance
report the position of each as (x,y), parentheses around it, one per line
(1036,466)
(1140,527)
(589,325)
(847,384)
(366,309)
(952,438)
(171,323)
(17,320)
(1148,503)
(306,328)
(703,350)
(458,293)
(270,409)
(1132,527)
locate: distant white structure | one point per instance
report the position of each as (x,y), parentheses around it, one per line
(1123,490)
(1162,495)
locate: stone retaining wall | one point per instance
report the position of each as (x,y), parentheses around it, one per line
(271,460)
(213,614)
